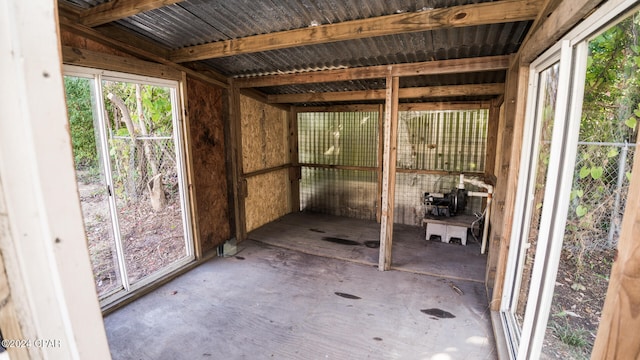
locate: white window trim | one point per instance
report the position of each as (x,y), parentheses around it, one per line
(574,52)
(97,75)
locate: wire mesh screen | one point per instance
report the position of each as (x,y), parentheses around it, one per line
(338,138)
(137,161)
(410,188)
(350,193)
(598,195)
(449,140)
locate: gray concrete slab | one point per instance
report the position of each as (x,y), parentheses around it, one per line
(274,303)
(321,234)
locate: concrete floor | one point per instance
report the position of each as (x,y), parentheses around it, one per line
(273,302)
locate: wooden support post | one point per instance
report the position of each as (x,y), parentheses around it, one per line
(381,114)
(492,138)
(294,170)
(389,172)
(511,132)
(239,190)
(188,160)
(617,334)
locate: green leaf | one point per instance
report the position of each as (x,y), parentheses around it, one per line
(632,121)
(596,172)
(612,152)
(584,172)
(579,193)
(581,210)
(628,174)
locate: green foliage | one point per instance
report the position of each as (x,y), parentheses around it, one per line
(80,112)
(572,336)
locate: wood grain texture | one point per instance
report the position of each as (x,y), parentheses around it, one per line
(440,18)
(453,66)
(617,336)
(265,141)
(404,93)
(511,132)
(267,198)
(389,173)
(208,156)
(132,49)
(119,9)
(99,60)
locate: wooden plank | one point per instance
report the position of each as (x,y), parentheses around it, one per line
(389,172)
(617,336)
(380,145)
(119,9)
(188,163)
(405,93)
(265,170)
(448,105)
(295,173)
(339,167)
(337,108)
(97,60)
(239,192)
(438,67)
(567,14)
(511,132)
(492,137)
(432,19)
(143,54)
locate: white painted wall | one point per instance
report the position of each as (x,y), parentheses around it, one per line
(45,250)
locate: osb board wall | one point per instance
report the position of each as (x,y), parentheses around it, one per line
(264,135)
(206,125)
(267,198)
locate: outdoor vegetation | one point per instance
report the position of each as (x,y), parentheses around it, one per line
(141,156)
(607,139)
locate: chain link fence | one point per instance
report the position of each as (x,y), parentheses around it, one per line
(598,196)
(136,161)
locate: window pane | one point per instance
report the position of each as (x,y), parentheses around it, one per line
(546,105)
(605,151)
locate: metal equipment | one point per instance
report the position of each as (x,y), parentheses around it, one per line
(438,204)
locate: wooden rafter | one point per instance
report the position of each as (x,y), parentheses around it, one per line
(143,54)
(454,66)
(441,18)
(404,93)
(119,9)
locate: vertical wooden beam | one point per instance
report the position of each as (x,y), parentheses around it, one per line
(507,177)
(381,115)
(617,334)
(294,171)
(492,138)
(188,159)
(389,172)
(238,182)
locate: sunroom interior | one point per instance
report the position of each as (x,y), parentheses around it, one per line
(484,149)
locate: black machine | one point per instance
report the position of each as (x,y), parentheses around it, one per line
(438,204)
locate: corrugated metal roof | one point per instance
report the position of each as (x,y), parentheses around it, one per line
(194,22)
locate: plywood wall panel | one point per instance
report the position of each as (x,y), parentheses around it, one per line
(210,177)
(265,142)
(267,198)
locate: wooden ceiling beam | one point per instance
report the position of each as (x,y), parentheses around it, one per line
(442,18)
(404,93)
(119,9)
(454,66)
(131,49)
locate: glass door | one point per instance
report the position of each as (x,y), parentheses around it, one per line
(140,231)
